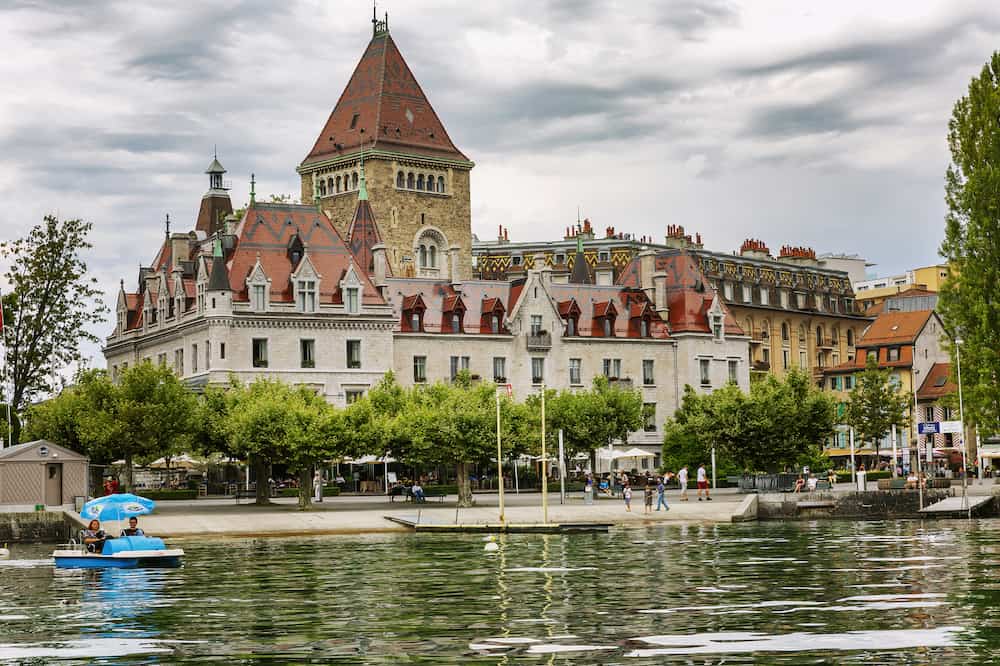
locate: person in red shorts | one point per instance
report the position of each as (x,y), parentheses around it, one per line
(703,483)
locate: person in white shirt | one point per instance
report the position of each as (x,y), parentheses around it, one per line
(811,483)
(682,481)
(703,483)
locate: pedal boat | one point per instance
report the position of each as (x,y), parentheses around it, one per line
(120,553)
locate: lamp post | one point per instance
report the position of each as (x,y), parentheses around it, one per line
(961,418)
(916,438)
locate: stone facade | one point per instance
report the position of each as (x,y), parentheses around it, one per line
(404,215)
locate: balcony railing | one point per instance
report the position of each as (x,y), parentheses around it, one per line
(826,343)
(541,340)
(761,366)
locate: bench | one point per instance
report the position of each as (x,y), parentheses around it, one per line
(823,485)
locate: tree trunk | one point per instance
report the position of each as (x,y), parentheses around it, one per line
(263,487)
(464,485)
(305,488)
(128,473)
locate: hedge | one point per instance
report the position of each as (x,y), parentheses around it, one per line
(328,491)
(168,494)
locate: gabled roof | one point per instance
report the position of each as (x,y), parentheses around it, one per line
(605,309)
(492,305)
(384,108)
(895,328)
(267,230)
(414,302)
(24,452)
(452,303)
(937,383)
(566,308)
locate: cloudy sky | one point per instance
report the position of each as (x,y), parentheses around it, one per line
(810,123)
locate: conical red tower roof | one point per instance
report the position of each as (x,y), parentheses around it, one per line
(383,107)
(363,235)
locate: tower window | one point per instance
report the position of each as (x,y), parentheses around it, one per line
(354,181)
(322,188)
(410,180)
(354,120)
(400,179)
(430,183)
(420,182)
(338,183)
(441,184)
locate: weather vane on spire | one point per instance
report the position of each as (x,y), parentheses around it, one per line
(253,184)
(379,27)
(167,224)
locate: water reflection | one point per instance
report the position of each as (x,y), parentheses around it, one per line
(774,592)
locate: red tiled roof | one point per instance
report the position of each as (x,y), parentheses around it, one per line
(605,309)
(937,383)
(414,302)
(266,230)
(451,303)
(895,328)
(383,107)
(492,305)
(569,307)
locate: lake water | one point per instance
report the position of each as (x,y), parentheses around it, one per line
(795,593)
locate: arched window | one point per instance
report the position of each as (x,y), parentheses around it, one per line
(765,330)
(329,185)
(322,188)
(420,182)
(354,181)
(836,335)
(410,182)
(430,183)
(441,184)
(850,337)
(784,331)
(819,335)
(338,183)
(433,256)
(400,179)
(423,256)
(802,334)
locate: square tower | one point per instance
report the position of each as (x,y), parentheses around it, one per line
(417,180)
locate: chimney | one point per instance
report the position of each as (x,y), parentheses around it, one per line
(379,259)
(660,295)
(455,263)
(180,249)
(799,256)
(755,248)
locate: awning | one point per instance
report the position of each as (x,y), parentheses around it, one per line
(369,460)
(615,454)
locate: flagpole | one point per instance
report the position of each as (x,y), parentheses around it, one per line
(3,383)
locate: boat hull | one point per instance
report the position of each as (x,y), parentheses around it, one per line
(75,559)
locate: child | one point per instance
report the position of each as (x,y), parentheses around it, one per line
(648,496)
(627,494)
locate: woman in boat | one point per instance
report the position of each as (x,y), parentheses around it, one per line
(93,537)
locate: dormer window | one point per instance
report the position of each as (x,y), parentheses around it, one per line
(413,314)
(416,322)
(258,297)
(352,302)
(495,324)
(717,328)
(572,325)
(305,295)
(604,319)
(201,297)
(644,328)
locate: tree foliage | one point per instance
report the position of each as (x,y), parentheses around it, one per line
(594,418)
(52,304)
(969,302)
(876,404)
(777,424)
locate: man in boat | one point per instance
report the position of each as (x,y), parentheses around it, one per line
(133,528)
(93,537)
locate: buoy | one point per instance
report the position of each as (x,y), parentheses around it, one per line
(491,544)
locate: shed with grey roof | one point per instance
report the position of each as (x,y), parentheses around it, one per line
(41,473)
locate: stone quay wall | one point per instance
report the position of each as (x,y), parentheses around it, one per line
(38,527)
(869,505)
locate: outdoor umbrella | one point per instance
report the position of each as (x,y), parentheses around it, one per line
(116,507)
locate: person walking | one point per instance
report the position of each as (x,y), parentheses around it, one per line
(703,483)
(661,495)
(682,481)
(627,496)
(648,497)
(318,486)
(588,490)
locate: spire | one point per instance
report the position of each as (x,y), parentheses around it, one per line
(217,246)
(581,271)
(253,195)
(167,224)
(218,277)
(379,27)
(363,235)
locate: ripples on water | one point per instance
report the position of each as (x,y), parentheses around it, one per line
(793,593)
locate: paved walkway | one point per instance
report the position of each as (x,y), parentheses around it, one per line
(354,514)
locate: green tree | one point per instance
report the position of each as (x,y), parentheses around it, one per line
(52,304)
(876,404)
(454,424)
(969,302)
(272,422)
(777,424)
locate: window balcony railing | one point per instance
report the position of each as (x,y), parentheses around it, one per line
(761,366)
(539,341)
(624,383)
(826,343)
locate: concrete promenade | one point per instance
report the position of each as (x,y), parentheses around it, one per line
(356,514)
